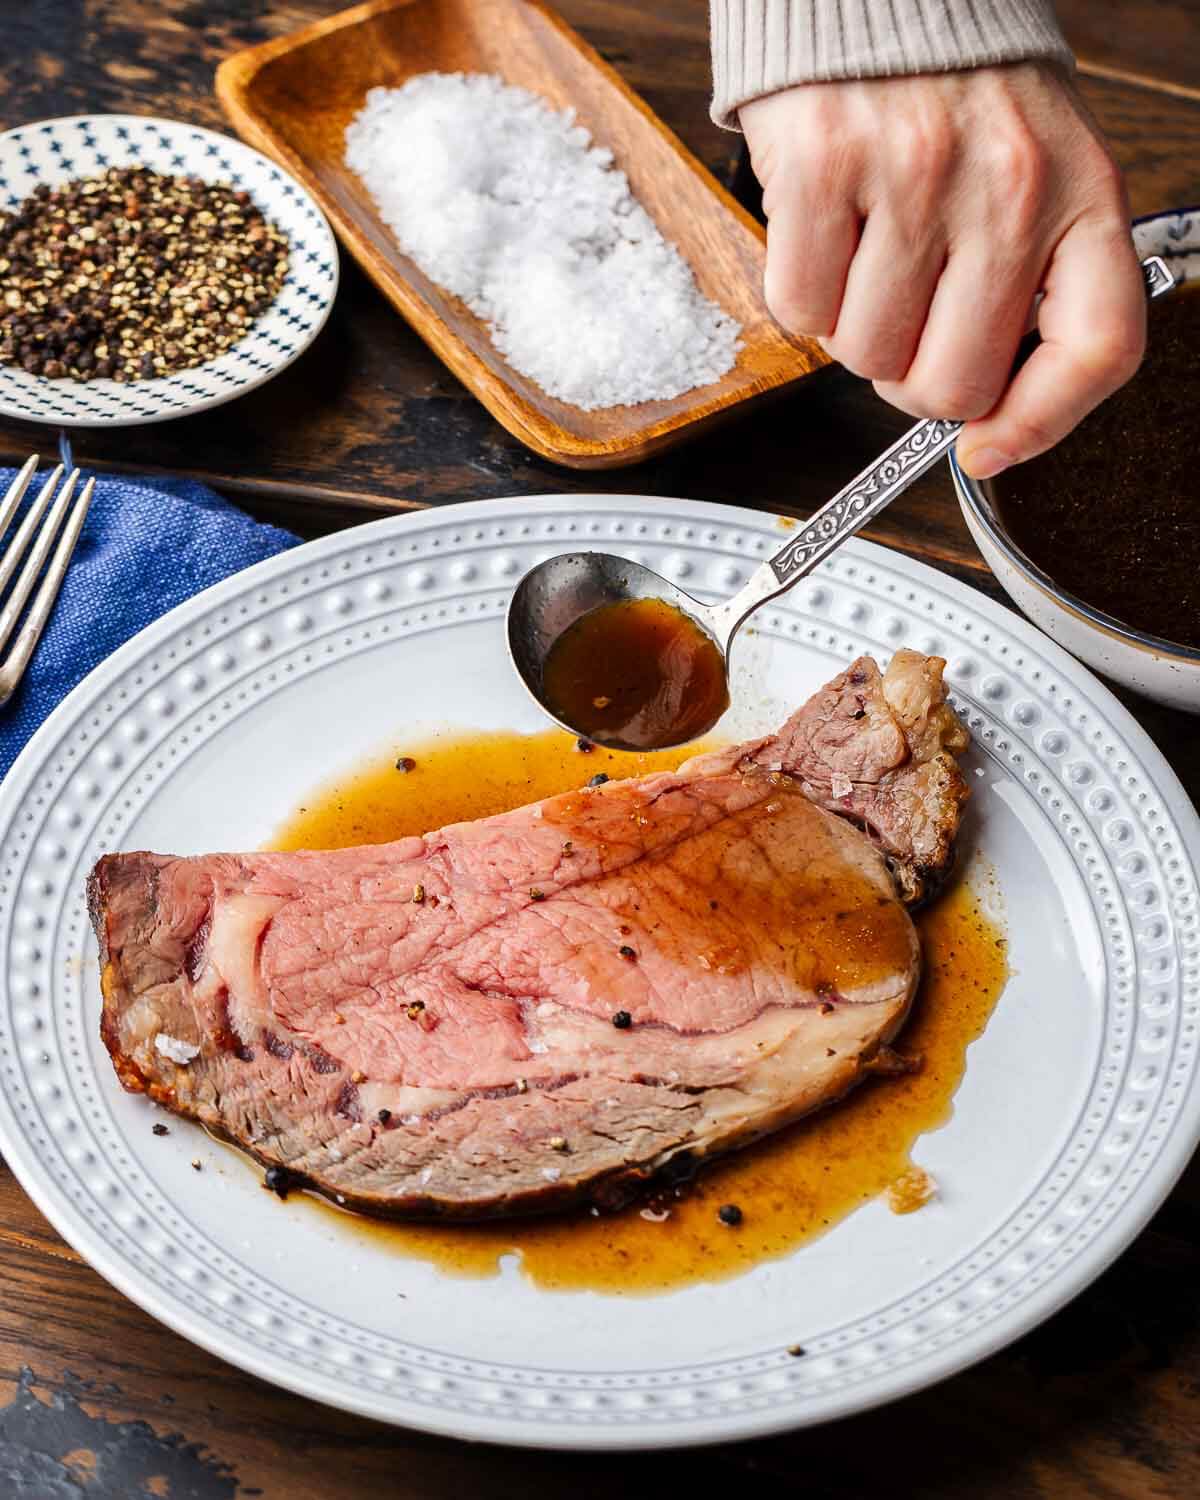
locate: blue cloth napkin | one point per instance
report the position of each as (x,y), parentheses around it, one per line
(147,545)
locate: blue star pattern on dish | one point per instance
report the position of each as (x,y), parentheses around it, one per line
(57,150)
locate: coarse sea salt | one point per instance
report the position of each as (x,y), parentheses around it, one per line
(505,202)
(179,1052)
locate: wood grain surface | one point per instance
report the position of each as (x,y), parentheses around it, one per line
(293,98)
(1103,1401)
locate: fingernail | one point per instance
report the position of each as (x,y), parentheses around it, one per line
(984,463)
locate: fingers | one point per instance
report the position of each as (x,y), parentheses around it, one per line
(809,167)
(1093,326)
(889,288)
(810,245)
(912,223)
(976,318)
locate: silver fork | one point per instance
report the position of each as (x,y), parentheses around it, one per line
(12,667)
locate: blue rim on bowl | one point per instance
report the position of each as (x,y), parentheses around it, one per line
(1174,234)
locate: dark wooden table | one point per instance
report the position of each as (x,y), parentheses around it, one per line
(1104,1400)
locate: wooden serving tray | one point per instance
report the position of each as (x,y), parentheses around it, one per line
(294,97)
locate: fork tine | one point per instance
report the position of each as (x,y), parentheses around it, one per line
(35,622)
(16,492)
(23,587)
(16,548)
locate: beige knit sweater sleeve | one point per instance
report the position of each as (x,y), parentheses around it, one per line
(761,46)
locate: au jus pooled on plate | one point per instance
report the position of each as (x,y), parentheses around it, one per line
(561,1003)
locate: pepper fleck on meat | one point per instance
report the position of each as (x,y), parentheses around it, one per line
(278,1180)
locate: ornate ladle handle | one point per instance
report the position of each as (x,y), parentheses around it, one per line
(866,495)
(863,498)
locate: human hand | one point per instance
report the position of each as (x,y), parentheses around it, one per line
(912,222)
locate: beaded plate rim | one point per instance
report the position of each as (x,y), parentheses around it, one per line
(37,152)
(1028,703)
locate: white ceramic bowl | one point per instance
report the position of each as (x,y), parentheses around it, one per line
(1160,669)
(55,151)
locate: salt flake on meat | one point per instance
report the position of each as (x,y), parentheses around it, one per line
(179,1052)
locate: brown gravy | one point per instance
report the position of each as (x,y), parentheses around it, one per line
(636,674)
(1110,514)
(791,1188)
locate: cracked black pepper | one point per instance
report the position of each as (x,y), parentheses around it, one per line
(133,274)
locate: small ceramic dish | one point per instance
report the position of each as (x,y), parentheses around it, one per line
(1160,669)
(57,151)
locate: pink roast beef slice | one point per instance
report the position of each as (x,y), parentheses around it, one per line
(557,1003)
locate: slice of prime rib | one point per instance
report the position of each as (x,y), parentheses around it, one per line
(558,1003)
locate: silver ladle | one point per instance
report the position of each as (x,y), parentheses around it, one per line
(554,594)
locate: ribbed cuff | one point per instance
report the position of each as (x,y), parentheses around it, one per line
(761,46)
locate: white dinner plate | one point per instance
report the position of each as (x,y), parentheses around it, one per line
(1079,1108)
(57,151)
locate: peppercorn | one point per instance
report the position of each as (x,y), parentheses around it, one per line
(622,1020)
(160,1129)
(384,1116)
(730,1214)
(795,1350)
(100,277)
(278,1180)
(627,953)
(585,747)
(681,1168)
(406,763)
(598,779)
